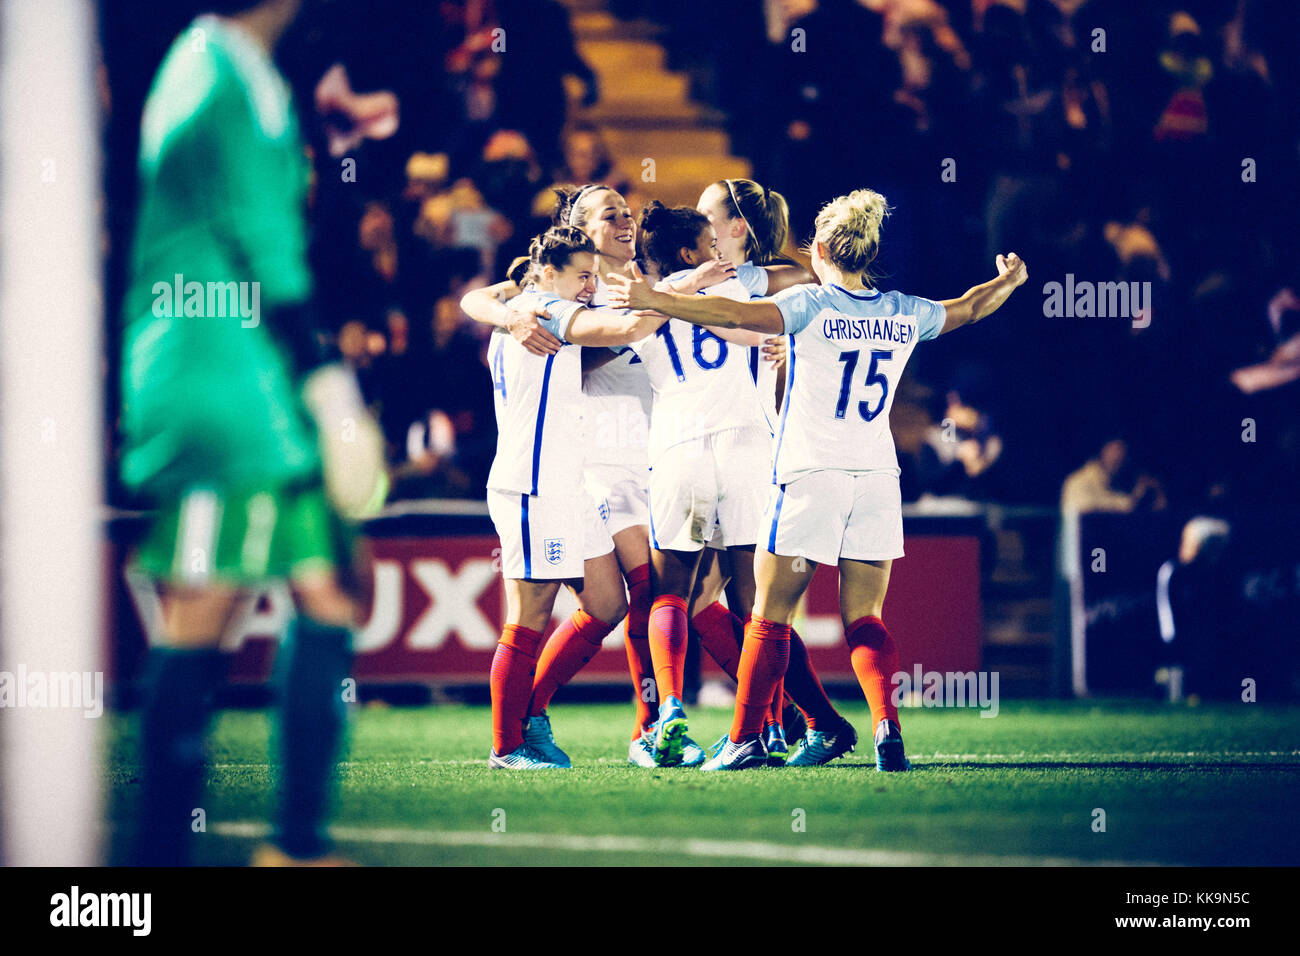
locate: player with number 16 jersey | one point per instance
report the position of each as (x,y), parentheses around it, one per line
(835,496)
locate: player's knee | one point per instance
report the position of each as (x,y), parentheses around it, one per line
(608,605)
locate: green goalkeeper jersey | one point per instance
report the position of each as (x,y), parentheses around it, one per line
(209,398)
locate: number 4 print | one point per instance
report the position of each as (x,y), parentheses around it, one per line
(874,377)
(499,373)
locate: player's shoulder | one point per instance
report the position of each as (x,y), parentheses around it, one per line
(804,292)
(212,69)
(539,297)
(754,278)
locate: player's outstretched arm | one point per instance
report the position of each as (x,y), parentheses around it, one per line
(488,305)
(985,299)
(781,277)
(634,292)
(612,327)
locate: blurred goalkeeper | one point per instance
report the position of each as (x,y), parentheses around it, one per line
(249,444)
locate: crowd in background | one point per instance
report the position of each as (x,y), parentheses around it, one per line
(1162,150)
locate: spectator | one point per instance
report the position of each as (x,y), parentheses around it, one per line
(1094,486)
(965,448)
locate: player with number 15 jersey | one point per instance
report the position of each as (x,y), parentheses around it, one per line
(835,494)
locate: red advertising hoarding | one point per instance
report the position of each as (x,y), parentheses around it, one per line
(438,602)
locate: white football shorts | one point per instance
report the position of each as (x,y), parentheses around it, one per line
(711,490)
(624,488)
(828,515)
(548,538)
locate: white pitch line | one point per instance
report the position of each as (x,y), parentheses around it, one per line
(1094,756)
(713,849)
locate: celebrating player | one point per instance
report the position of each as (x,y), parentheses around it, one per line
(835,494)
(711,456)
(551,529)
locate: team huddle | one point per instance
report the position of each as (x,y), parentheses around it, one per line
(682,415)
(759,394)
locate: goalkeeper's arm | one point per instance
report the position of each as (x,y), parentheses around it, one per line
(351,443)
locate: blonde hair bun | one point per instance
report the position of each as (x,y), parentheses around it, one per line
(849,227)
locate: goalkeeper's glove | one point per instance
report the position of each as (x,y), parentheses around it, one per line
(351,444)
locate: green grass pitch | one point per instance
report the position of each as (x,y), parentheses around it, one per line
(1206,785)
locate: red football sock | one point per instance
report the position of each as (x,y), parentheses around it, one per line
(668,633)
(875,661)
(778,703)
(512,683)
(637,643)
(773,715)
(762,664)
(721,634)
(568,650)
(805,688)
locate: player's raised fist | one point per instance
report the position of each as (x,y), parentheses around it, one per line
(1011,264)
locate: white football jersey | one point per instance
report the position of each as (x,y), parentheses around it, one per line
(755,279)
(847,353)
(618,405)
(539,405)
(702,384)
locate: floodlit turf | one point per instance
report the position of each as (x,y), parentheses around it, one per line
(1208,785)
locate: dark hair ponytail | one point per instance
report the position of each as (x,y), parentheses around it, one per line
(665,231)
(556,246)
(518,271)
(766,216)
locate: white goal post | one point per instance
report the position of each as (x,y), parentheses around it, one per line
(51,428)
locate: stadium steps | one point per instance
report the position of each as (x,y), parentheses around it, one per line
(645,110)
(1019,639)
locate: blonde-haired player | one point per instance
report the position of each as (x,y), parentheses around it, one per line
(710,455)
(835,495)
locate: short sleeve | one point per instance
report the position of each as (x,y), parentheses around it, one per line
(754,278)
(930,315)
(797,307)
(561,312)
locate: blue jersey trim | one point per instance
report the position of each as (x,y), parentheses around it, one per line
(653,540)
(541,421)
(528,550)
(771,538)
(785,403)
(753,363)
(861,298)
